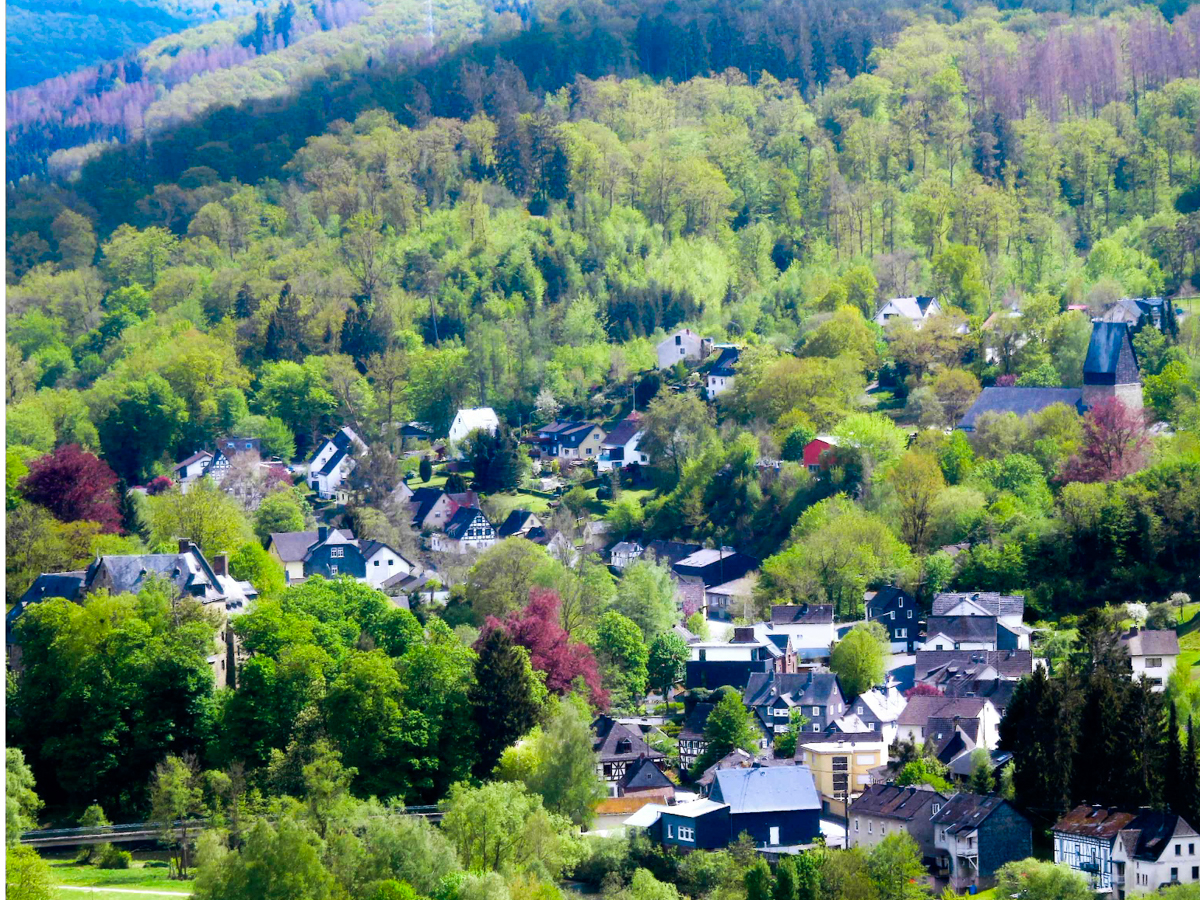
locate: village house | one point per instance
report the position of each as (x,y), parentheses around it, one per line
(467,421)
(940,667)
(716,663)
(714,565)
(883,809)
(772,696)
(617,747)
(815,449)
(331,553)
(188,572)
(1152,654)
(683,344)
(332,463)
(621,447)
(192,469)
(519,523)
(433,508)
(732,599)
(645,780)
(841,765)
(937,718)
(898,613)
(691,740)
(915,310)
(879,709)
(809,625)
(571,442)
(624,553)
(976,834)
(468,531)
(1138,311)
(720,377)
(1122,852)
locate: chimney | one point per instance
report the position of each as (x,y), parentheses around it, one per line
(743,634)
(185,546)
(220,563)
(322,534)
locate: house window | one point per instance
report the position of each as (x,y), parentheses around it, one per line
(936,807)
(910,613)
(902,632)
(678,340)
(1174,874)
(816,727)
(333,570)
(816,710)
(1178,849)
(870,828)
(858,710)
(1195,873)
(249,446)
(670,831)
(687,834)
(337,552)
(870,726)
(377,563)
(1153,662)
(1191,849)
(856,824)
(774,835)
(892,615)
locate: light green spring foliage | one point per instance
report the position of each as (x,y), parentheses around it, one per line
(21,802)
(858,658)
(1031,879)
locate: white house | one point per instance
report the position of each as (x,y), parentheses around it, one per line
(621,446)
(914,309)
(880,710)
(192,469)
(720,376)
(810,625)
(1009,609)
(383,563)
(683,344)
(625,553)
(936,719)
(1123,852)
(468,530)
(332,463)
(479,418)
(1152,653)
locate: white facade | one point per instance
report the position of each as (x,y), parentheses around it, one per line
(908,308)
(683,344)
(385,563)
(807,636)
(1109,867)
(989,728)
(480,418)
(718,384)
(944,642)
(192,469)
(631,454)
(1157,669)
(958,846)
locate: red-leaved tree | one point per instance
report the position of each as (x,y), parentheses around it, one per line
(537,628)
(922,689)
(75,486)
(1114,444)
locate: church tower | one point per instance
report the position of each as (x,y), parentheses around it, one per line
(1111,367)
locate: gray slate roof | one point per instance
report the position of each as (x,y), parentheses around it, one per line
(644,775)
(806,688)
(1110,356)
(1008,663)
(805,614)
(994,602)
(292,546)
(765,789)
(966,812)
(1020,400)
(922,710)
(1150,643)
(513,522)
(892,802)
(724,366)
(623,432)
(965,629)
(609,735)
(693,728)
(464,517)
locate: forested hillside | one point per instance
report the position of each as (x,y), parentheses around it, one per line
(48,38)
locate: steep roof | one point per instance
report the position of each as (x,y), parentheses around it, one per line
(464,517)
(1150,643)
(195,457)
(693,728)
(766,789)
(966,812)
(964,629)
(914,308)
(68,585)
(515,522)
(724,366)
(334,461)
(892,802)
(802,688)
(885,598)
(994,602)
(623,432)
(1110,356)
(474,419)
(609,733)
(1101,822)
(293,546)
(1007,663)
(921,710)
(805,614)
(643,775)
(1020,400)
(1149,835)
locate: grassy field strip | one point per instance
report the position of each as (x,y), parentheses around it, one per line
(108,893)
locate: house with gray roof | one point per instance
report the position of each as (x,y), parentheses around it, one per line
(1021,401)
(621,447)
(937,667)
(644,778)
(772,697)
(900,615)
(467,531)
(778,806)
(914,310)
(935,719)
(883,809)
(976,834)
(334,553)
(332,463)
(1122,852)
(618,746)
(720,377)
(1110,369)
(1152,654)
(519,522)
(1007,608)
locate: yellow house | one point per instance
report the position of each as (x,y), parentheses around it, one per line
(841,766)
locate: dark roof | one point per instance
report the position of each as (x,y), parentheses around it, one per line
(765,789)
(292,546)
(965,764)
(68,585)
(952,737)
(1008,663)
(670,552)
(1019,400)
(609,733)
(694,726)
(885,598)
(1151,832)
(568,434)
(805,614)
(1110,356)
(999,690)
(921,709)
(464,517)
(892,802)
(724,366)
(195,457)
(423,500)
(623,432)
(994,602)
(644,775)
(1140,642)
(1095,821)
(514,522)
(332,464)
(966,812)
(974,629)
(806,688)
(128,574)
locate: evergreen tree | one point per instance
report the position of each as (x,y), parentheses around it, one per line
(284,330)
(502,698)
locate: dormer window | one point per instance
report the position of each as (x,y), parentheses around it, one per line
(624,745)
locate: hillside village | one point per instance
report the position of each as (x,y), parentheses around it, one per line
(795,724)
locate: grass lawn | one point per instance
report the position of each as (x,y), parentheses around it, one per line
(506,503)
(1189,653)
(64,871)
(122,894)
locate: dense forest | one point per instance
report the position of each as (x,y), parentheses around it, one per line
(48,38)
